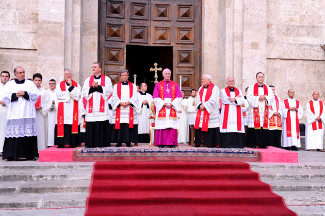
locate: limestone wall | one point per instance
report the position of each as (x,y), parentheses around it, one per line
(295,31)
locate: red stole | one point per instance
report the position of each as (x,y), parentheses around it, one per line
(272,119)
(288,121)
(91,100)
(206,114)
(162,112)
(256,112)
(118,111)
(38,102)
(320,124)
(226,113)
(60,116)
(84,101)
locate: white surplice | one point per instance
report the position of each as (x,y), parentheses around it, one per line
(51,118)
(232,115)
(41,118)
(212,106)
(191,110)
(314,138)
(167,122)
(125,97)
(3,117)
(144,112)
(183,125)
(68,99)
(291,141)
(21,118)
(96,115)
(254,102)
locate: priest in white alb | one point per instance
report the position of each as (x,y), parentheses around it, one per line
(191,115)
(231,120)
(315,123)
(167,98)
(5,76)
(275,121)
(292,112)
(43,106)
(68,112)
(96,90)
(144,111)
(124,127)
(21,131)
(260,97)
(51,115)
(182,119)
(206,126)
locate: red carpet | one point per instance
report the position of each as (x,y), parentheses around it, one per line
(180,188)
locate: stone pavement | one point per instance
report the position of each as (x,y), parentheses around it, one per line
(34,188)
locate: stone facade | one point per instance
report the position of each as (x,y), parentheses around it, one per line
(282,38)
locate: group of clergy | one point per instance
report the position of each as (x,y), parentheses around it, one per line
(99,114)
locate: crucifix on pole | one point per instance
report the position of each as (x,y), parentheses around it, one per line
(156,70)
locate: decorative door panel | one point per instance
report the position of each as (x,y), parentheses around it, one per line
(175,23)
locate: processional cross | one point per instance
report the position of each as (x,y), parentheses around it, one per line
(156,70)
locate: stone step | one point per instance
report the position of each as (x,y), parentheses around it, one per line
(43,200)
(35,165)
(288,166)
(48,175)
(59,186)
(303,197)
(278,174)
(301,185)
(315,210)
(73,211)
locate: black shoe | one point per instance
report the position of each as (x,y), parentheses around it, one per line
(60,146)
(118,145)
(128,145)
(196,146)
(161,146)
(294,148)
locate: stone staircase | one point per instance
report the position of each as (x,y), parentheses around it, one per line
(64,186)
(301,185)
(43,185)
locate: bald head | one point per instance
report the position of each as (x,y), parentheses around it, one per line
(315,95)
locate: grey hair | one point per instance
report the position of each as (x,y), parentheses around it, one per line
(15,70)
(166,69)
(230,77)
(208,76)
(124,71)
(67,69)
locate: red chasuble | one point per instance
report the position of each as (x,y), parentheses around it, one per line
(320,124)
(226,113)
(272,119)
(60,117)
(118,111)
(288,121)
(256,112)
(206,114)
(162,113)
(91,100)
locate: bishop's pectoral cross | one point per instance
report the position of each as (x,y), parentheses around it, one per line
(167,90)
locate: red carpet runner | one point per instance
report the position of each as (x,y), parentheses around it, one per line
(180,188)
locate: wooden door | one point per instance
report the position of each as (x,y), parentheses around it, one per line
(175,23)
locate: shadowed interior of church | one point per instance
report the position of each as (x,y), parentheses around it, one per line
(139,60)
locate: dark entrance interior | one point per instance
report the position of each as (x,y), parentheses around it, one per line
(139,60)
